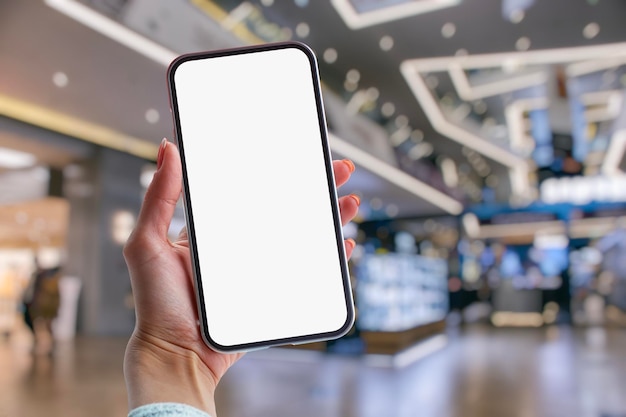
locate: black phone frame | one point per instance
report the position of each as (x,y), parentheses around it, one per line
(350,316)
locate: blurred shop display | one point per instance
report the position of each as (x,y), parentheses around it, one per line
(396,292)
(33,289)
(401,268)
(27,287)
(546,264)
(598,276)
(14,275)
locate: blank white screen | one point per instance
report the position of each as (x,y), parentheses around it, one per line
(258,190)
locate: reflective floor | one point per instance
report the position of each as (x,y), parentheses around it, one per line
(481,371)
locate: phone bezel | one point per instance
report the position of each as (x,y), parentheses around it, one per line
(350,316)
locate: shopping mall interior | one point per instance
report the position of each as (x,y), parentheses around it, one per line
(488,139)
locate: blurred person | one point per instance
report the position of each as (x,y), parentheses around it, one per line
(41,305)
(168,368)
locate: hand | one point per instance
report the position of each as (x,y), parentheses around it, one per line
(166,359)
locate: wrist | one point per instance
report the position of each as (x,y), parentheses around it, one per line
(157,371)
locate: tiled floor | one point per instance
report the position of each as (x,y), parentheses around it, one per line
(481,372)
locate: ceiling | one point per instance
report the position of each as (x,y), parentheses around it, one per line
(433,148)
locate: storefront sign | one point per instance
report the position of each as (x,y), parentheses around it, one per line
(583,190)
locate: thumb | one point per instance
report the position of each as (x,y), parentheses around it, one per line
(162,194)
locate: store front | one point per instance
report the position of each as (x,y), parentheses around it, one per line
(69,205)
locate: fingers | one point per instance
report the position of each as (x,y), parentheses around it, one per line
(349,245)
(348,207)
(162,195)
(349,204)
(342,169)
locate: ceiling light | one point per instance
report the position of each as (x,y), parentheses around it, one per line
(350,86)
(10,158)
(303,30)
(386,43)
(330,55)
(392,210)
(376,203)
(448,30)
(511,65)
(417,135)
(373,93)
(401,121)
(522,44)
(353,75)
(421,150)
(398,137)
(384,12)
(591,30)
(301,3)
(448,170)
(152,116)
(479,107)
(388,109)
(60,79)
(516,16)
(461,112)
(357,101)
(267,3)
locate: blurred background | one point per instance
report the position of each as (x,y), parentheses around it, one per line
(489,137)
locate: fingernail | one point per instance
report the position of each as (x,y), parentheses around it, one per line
(356,198)
(351,242)
(161,152)
(350,165)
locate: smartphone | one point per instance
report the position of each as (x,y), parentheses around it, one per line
(260,201)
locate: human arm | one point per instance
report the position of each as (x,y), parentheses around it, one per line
(166,359)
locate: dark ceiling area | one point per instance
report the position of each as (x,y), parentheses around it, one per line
(445,104)
(373,54)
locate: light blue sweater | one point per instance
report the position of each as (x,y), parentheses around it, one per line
(167,410)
